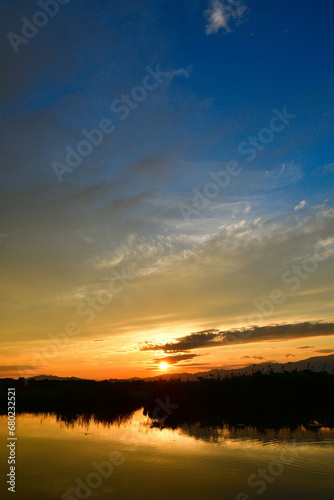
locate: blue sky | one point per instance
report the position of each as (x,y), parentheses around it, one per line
(230,63)
(275,54)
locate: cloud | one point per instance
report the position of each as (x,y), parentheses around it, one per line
(215,338)
(150,165)
(192,341)
(200,280)
(252,357)
(222,13)
(325,351)
(306,347)
(325,169)
(301,205)
(16,368)
(172,360)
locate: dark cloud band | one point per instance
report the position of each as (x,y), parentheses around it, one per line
(215,338)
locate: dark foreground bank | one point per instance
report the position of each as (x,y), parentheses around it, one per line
(272,400)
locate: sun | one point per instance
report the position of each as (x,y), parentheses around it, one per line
(163,365)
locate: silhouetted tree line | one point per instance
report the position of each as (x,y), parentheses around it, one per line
(271,400)
(71,400)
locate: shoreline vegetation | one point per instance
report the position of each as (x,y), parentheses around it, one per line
(261,400)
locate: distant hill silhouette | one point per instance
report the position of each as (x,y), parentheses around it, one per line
(316,363)
(52,377)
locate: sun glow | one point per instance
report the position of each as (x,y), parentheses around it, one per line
(163,365)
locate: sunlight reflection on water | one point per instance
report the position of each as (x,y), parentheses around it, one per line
(187,462)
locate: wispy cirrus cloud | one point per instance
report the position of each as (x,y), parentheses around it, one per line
(222,14)
(326,169)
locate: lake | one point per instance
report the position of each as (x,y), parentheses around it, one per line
(131,460)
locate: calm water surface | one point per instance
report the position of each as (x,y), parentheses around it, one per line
(166,464)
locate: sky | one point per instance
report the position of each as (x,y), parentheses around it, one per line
(167,185)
